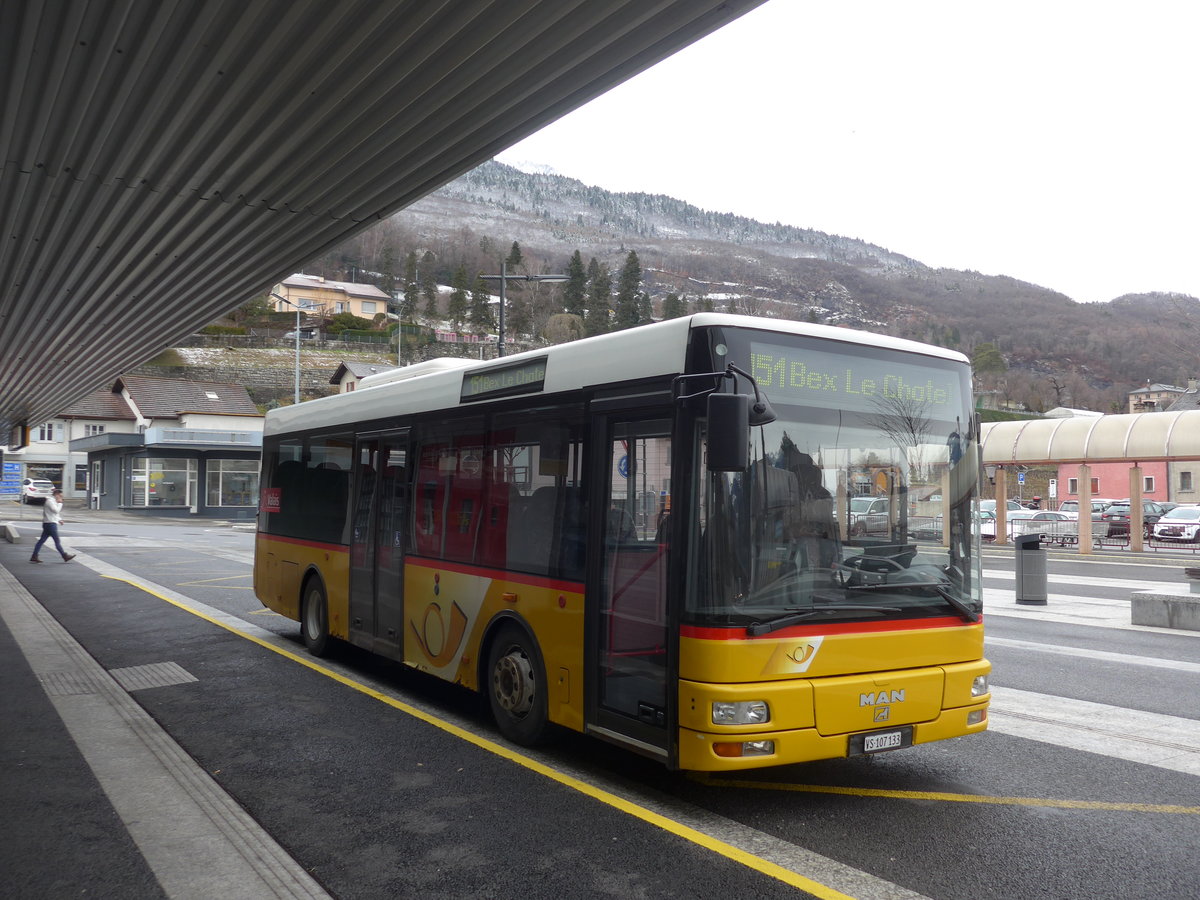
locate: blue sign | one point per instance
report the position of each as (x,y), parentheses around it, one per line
(1020,478)
(11,481)
(623,466)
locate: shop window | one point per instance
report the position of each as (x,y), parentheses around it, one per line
(231,482)
(161,482)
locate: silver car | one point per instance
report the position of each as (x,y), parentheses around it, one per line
(36,490)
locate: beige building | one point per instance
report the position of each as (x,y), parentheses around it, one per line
(1153,397)
(319,297)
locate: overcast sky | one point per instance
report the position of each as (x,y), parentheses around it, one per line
(1056,142)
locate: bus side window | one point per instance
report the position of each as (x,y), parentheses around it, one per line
(288,479)
(532,537)
(572,538)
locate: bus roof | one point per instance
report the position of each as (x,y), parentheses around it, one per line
(652,350)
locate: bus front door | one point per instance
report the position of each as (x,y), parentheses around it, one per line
(633,652)
(377,542)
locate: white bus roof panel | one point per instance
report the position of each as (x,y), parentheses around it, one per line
(637,353)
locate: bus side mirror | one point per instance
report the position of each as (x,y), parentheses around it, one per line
(728,432)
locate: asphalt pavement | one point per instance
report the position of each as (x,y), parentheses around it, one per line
(101,802)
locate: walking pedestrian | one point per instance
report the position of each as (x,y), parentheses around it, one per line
(51,518)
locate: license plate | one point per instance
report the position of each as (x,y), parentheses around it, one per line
(881,741)
(889,740)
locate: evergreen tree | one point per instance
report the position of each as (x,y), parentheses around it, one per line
(518,317)
(645,309)
(988,359)
(673,307)
(481,318)
(575,290)
(599,297)
(627,293)
(456,310)
(514,291)
(387,274)
(412,291)
(429,287)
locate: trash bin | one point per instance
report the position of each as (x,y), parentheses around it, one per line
(1031,570)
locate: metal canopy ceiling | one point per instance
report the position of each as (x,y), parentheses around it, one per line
(163,162)
(1093,439)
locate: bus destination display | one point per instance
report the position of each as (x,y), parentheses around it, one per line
(518,378)
(838,381)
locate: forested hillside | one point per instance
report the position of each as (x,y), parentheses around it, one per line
(1055,351)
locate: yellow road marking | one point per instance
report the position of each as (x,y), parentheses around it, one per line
(735,854)
(712,781)
(215,580)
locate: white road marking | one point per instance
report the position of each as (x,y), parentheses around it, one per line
(1168,742)
(1106,655)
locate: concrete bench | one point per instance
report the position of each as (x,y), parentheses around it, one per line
(1179,609)
(11,534)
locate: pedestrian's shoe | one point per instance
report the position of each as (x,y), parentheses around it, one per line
(67,557)
(34,559)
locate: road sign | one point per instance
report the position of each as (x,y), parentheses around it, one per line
(1020,478)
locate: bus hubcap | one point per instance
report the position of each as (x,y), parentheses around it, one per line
(512,683)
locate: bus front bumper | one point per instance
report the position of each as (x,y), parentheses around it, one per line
(707,752)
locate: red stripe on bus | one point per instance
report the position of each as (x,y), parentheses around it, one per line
(738,632)
(301,542)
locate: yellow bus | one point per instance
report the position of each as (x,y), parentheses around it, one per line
(646,536)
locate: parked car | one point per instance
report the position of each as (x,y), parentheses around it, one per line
(990,505)
(1099,505)
(1179,525)
(868,515)
(1117,517)
(36,490)
(1035,521)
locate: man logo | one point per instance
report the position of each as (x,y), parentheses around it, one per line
(882,713)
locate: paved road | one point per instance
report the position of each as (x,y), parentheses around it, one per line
(379,782)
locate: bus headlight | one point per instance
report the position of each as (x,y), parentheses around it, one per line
(741,712)
(979,686)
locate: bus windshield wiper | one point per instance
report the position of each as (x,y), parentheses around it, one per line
(940,589)
(754,629)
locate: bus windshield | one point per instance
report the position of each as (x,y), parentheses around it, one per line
(856,505)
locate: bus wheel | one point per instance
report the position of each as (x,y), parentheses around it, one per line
(516,687)
(314,618)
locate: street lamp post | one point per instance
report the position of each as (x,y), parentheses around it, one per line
(504,278)
(295,306)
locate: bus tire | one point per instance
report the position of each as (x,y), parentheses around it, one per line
(516,686)
(314,618)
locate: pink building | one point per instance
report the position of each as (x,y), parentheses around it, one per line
(1110,480)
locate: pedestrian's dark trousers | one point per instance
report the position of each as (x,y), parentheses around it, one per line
(49,530)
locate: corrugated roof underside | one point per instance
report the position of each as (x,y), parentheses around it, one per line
(165,162)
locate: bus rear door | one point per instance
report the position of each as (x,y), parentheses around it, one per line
(377,541)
